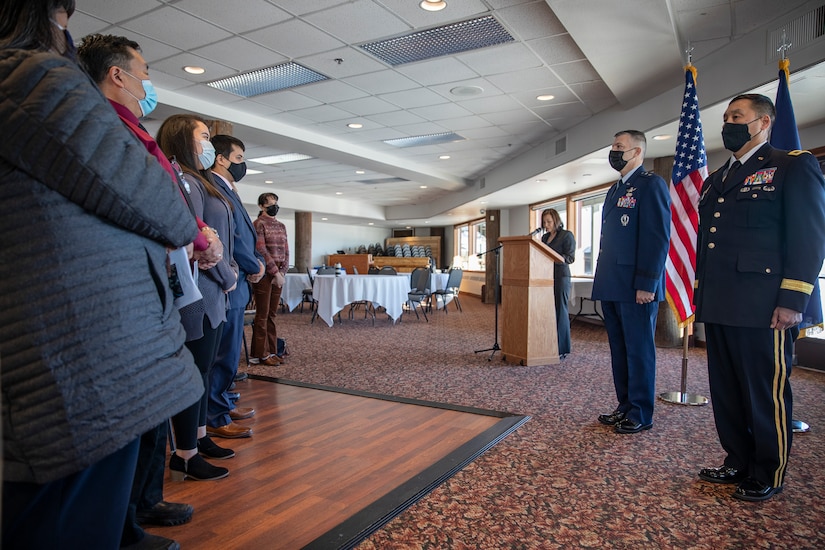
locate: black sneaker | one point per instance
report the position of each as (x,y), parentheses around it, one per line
(166,514)
(210,449)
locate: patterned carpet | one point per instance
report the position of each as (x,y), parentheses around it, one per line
(562,480)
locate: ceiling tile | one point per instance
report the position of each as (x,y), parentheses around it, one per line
(366,106)
(302,7)
(490,104)
(575,72)
(437,71)
(240,54)
(534,20)
(358,21)
(174,66)
(441,111)
(176,28)
(115,12)
(530,79)
(563,110)
(381,82)
(167,82)
(331,91)
(152,50)
(255,13)
(294,38)
(323,113)
(286,100)
(556,49)
(395,118)
(82,24)
(352,62)
(461,123)
(411,12)
(500,59)
(706,23)
(423,129)
(562,94)
(409,99)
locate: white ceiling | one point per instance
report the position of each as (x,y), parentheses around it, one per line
(610,66)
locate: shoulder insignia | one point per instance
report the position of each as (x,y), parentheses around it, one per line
(797,152)
(647,173)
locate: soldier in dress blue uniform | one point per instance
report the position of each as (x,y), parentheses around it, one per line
(629,279)
(760,247)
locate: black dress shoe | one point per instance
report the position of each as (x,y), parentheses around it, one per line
(754,490)
(628,426)
(241,376)
(611,419)
(722,474)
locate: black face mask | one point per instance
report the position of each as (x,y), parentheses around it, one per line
(617,161)
(272,210)
(237,170)
(735,136)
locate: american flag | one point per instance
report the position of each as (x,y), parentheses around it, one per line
(690,168)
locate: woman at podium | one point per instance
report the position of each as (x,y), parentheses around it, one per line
(564,243)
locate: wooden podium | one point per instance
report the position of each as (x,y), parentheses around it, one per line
(528,318)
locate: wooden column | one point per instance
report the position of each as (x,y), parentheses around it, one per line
(493,228)
(668,334)
(219,127)
(303,241)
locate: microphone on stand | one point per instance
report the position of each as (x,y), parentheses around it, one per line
(536,231)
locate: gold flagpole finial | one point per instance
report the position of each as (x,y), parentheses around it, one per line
(784,62)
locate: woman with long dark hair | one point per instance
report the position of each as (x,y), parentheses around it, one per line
(185,139)
(563,242)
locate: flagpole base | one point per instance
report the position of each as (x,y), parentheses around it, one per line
(680,398)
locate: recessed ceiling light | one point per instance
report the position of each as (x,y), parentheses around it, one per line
(280,159)
(408,227)
(360,172)
(355,125)
(422,186)
(338,193)
(662,137)
(324,219)
(268,181)
(191,69)
(444,157)
(545,97)
(482,202)
(541,181)
(427,221)
(433,5)
(251,172)
(371,223)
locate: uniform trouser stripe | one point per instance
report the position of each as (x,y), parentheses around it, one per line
(780,416)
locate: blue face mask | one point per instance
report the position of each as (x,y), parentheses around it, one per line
(150,97)
(207,158)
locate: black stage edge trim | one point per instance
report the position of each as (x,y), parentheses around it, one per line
(365,522)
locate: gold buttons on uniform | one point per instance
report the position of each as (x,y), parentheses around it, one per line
(720,200)
(767,270)
(713,230)
(716,214)
(711,245)
(754,196)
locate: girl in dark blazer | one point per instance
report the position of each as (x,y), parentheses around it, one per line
(563,242)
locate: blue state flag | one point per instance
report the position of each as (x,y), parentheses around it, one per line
(784,135)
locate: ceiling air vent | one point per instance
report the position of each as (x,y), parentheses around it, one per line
(382,180)
(445,40)
(269,79)
(561,145)
(429,139)
(799,32)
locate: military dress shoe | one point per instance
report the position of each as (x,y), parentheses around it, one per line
(754,490)
(241,413)
(230,431)
(165,513)
(627,426)
(240,376)
(153,542)
(722,474)
(611,419)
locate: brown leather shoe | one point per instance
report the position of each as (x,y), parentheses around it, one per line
(272,361)
(241,413)
(230,431)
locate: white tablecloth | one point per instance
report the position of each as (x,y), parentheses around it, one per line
(581,303)
(294,286)
(334,293)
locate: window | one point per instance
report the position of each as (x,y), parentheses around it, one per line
(588,233)
(470,240)
(559,206)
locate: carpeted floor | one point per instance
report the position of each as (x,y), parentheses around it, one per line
(562,480)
